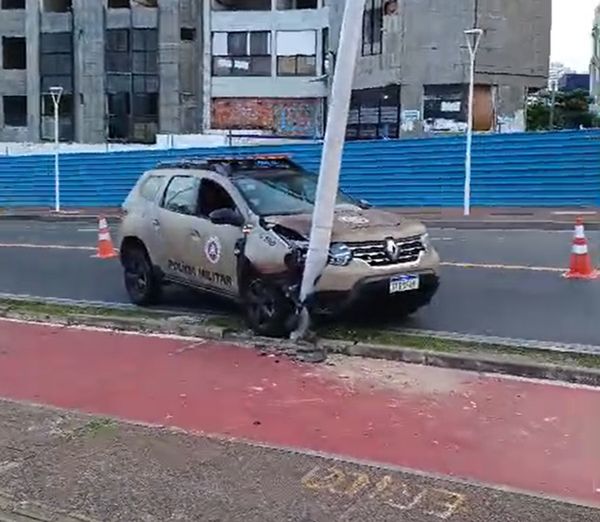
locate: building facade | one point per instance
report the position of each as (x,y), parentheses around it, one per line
(123,79)
(413,68)
(130,69)
(595,62)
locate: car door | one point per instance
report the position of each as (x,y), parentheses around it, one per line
(176,226)
(216,252)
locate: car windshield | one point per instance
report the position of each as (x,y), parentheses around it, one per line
(283,193)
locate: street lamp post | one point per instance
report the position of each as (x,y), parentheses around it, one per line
(473,37)
(554,87)
(331,159)
(56,93)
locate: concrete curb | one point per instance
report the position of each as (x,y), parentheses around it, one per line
(193,327)
(509,365)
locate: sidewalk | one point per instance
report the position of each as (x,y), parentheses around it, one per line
(481,218)
(531,436)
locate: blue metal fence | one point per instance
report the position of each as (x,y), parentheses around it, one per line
(542,169)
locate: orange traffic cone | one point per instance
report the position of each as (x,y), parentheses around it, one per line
(106,250)
(581,261)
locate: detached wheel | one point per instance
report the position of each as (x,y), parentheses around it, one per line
(268,311)
(142,285)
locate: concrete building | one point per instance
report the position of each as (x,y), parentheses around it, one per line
(595,62)
(123,79)
(133,68)
(415,59)
(574,82)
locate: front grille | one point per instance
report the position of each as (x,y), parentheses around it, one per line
(375,254)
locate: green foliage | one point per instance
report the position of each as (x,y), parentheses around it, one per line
(571,111)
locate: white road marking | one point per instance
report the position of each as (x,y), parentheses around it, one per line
(574,212)
(504,267)
(47,247)
(488,266)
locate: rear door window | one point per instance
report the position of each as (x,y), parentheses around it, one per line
(150,187)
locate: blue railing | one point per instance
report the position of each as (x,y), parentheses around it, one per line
(535,169)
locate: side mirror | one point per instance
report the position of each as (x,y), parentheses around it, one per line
(226,216)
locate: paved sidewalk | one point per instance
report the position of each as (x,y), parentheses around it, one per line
(527,435)
(57,466)
(481,218)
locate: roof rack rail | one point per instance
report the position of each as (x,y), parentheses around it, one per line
(227,165)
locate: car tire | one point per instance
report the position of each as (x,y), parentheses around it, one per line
(141,283)
(268,310)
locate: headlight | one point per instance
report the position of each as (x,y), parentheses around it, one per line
(339,254)
(426,241)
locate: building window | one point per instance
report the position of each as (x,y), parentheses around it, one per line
(15,111)
(57,6)
(132,84)
(445,107)
(297,4)
(56,70)
(241,5)
(372,28)
(187,34)
(327,58)
(241,54)
(56,61)
(14,53)
(296,53)
(374,114)
(13,4)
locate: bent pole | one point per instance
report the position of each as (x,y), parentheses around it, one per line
(331,159)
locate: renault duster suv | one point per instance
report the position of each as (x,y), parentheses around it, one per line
(239,227)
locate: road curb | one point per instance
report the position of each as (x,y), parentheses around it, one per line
(468,361)
(197,327)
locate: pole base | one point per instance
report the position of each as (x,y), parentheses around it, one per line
(594,274)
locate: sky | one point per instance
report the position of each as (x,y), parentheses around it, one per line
(571,32)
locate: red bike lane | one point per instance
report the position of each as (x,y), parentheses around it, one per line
(533,436)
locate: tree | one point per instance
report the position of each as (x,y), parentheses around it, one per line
(571,111)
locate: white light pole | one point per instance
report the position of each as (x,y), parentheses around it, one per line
(473,38)
(331,159)
(56,93)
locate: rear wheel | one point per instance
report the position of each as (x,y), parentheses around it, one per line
(141,283)
(268,310)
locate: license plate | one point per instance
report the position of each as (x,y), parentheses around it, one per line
(404,283)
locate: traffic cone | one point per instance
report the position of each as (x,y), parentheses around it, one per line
(581,261)
(106,250)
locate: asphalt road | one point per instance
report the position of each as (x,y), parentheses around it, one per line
(514,290)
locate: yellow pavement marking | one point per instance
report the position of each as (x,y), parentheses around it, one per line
(402,496)
(504,267)
(49,247)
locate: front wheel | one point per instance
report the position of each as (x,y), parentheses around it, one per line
(268,310)
(141,283)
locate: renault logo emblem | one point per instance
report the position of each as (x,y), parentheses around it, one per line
(391,249)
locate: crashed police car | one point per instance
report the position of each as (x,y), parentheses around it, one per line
(239,227)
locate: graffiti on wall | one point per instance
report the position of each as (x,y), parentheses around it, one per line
(279,116)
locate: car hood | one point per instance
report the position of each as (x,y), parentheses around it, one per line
(355,225)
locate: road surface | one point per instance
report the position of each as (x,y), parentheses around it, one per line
(268,439)
(500,283)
